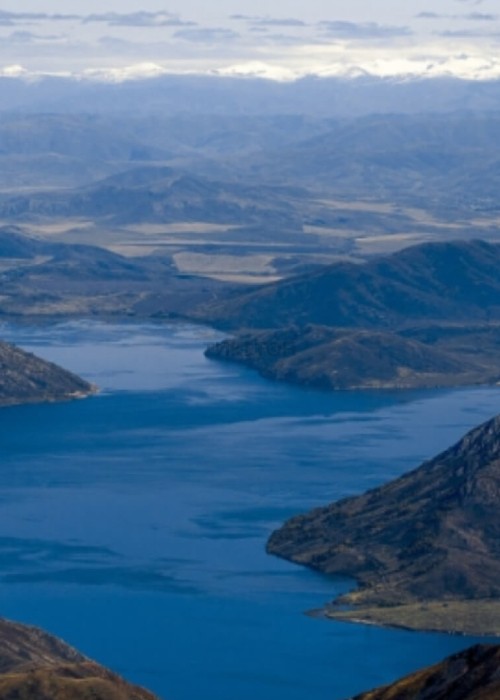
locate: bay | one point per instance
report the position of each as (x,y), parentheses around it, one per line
(133,523)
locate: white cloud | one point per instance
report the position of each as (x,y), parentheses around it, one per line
(130,43)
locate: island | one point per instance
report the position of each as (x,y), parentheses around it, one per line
(424,548)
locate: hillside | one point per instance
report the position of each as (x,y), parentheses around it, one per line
(469,675)
(453,281)
(25,378)
(159,194)
(425,548)
(52,279)
(37,666)
(328,358)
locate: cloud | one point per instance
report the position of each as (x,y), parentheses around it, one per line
(12,18)
(114,19)
(430,15)
(138,19)
(285,40)
(363,30)
(481,17)
(472,16)
(467,34)
(140,71)
(270,21)
(23,37)
(208,35)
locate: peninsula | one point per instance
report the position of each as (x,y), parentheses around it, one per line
(424,548)
(25,378)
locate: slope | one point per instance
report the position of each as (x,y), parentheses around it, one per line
(424,548)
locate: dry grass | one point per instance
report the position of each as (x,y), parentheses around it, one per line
(475,617)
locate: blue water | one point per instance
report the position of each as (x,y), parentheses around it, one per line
(133,523)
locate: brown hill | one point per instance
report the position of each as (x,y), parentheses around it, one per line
(425,548)
(25,378)
(472,674)
(35,665)
(328,358)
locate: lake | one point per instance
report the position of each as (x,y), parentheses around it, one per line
(133,523)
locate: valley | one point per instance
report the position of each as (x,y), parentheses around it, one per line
(291,300)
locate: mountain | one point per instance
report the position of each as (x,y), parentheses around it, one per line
(223,95)
(469,675)
(328,358)
(442,162)
(37,666)
(43,278)
(25,378)
(159,194)
(452,281)
(425,548)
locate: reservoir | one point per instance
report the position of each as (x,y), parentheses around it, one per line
(133,524)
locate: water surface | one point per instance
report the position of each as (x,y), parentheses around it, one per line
(133,523)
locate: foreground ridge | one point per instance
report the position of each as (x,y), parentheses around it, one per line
(35,665)
(472,674)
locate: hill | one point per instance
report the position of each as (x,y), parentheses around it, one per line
(425,548)
(25,378)
(37,666)
(159,194)
(328,358)
(469,675)
(453,281)
(52,279)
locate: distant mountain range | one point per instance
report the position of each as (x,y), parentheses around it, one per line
(195,94)
(158,194)
(469,675)
(444,164)
(425,548)
(37,666)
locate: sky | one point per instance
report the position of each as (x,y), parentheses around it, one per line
(281,40)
